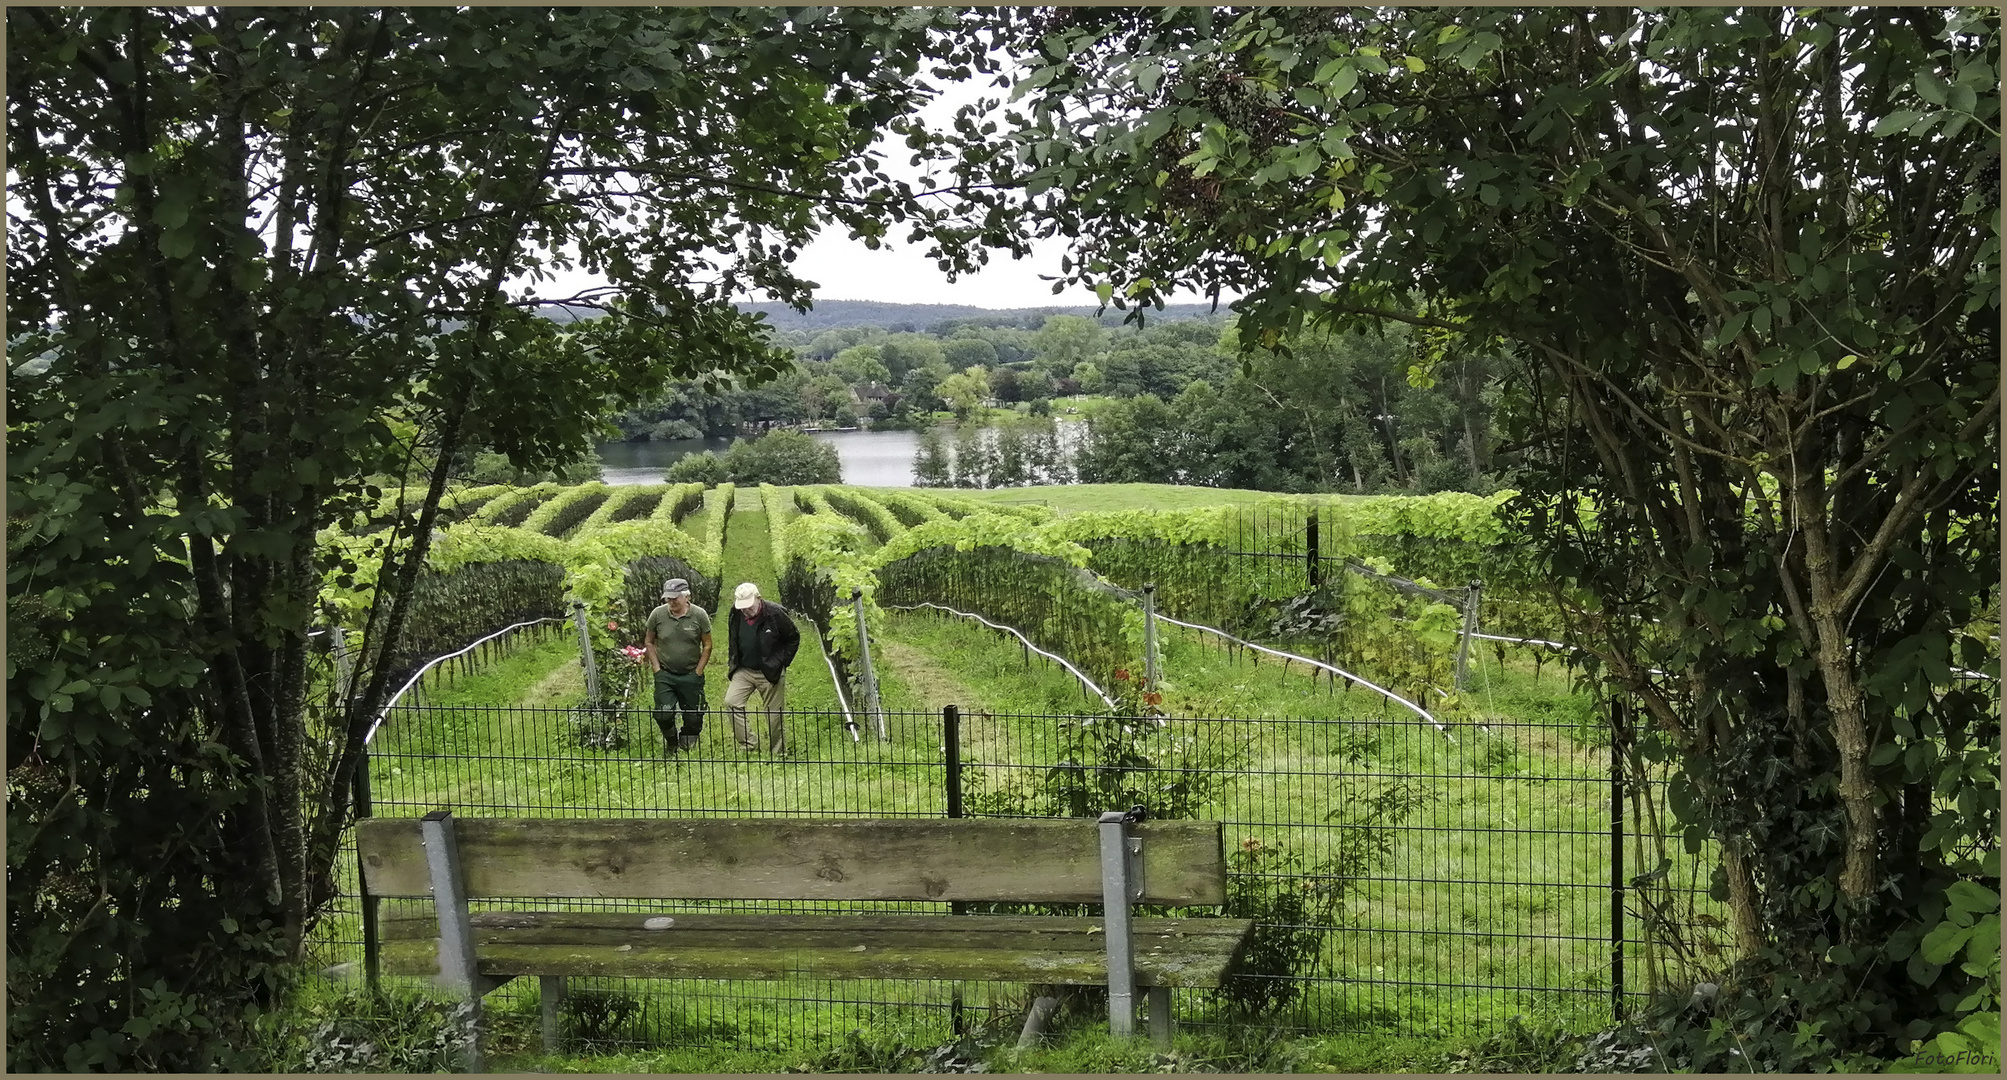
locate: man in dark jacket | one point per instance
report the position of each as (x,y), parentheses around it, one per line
(760,644)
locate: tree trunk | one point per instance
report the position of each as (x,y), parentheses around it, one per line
(1844,700)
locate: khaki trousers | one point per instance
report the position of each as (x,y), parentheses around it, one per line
(773,696)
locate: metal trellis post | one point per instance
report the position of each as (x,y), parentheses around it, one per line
(1470,606)
(869,676)
(1310,549)
(344,664)
(1150,636)
(585,652)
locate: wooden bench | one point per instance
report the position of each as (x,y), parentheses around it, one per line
(1118,861)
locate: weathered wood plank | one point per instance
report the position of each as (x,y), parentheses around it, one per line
(1165,955)
(554,925)
(1031,859)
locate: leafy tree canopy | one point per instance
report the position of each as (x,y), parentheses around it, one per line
(1748,263)
(265,254)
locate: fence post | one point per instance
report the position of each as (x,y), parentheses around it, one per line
(1150,636)
(951,739)
(869,676)
(1310,549)
(585,652)
(1470,606)
(372,950)
(1618,734)
(344,664)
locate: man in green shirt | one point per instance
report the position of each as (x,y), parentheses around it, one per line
(679,645)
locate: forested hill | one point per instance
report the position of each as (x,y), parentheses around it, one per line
(835,314)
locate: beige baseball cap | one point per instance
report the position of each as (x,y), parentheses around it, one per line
(746,596)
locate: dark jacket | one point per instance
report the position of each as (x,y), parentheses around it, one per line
(778,640)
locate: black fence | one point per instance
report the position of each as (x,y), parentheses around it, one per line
(1403,879)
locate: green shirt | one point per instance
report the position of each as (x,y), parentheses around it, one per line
(750,653)
(679,643)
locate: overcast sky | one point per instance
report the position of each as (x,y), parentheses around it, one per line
(901,273)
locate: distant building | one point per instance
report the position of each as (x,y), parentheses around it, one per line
(870,393)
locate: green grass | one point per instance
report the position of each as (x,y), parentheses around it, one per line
(697,520)
(1500,838)
(748,556)
(518,668)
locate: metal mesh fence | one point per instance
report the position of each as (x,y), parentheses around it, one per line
(1403,879)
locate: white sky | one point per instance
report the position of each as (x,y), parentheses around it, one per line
(901,273)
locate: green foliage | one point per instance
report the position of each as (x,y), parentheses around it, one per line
(783,458)
(1173,768)
(358,1031)
(1060,607)
(965,391)
(558,515)
(1292,898)
(712,554)
(510,509)
(867,511)
(1781,421)
(457,506)
(627,503)
(931,468)
(302,254)
(821,558)
(592,1016)
(680,503)
(705,468)
(594,727)
(908,510)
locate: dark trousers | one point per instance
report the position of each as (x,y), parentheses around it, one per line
(674,692)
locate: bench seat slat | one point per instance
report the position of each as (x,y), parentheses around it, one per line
(1061,949)
(1022,859)
(490,925)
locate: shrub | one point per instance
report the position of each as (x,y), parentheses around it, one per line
(363,1031)
(784,459)
(706,468)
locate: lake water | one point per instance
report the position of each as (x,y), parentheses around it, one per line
(869,458)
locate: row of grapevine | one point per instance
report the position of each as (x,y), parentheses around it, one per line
(481,577)
(510,508)
(627,503)
(1247,570)
(557,515)
(678,503)
(910,510)
(864,510)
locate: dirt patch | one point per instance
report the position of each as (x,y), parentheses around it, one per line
(934,684)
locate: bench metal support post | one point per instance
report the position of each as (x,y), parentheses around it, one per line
(1121,885)
(1160,1017)
(551,995)
(456,930)
(372,950)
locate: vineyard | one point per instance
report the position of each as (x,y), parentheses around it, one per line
(1418,804)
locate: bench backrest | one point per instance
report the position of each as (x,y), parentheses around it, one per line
(1041,860)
